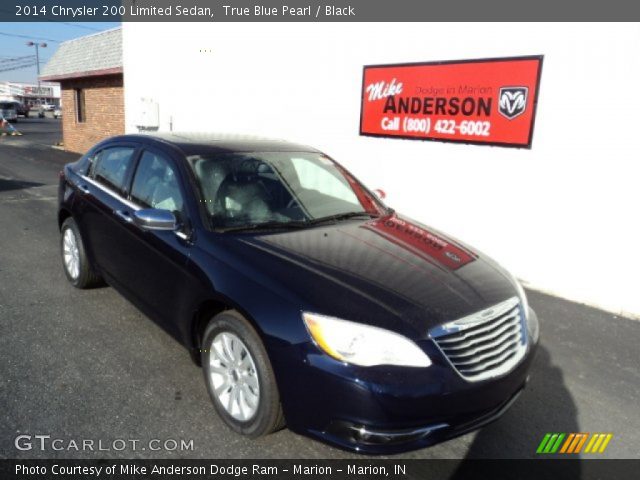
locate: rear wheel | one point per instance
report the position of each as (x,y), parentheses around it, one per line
(239,376)
(74,257)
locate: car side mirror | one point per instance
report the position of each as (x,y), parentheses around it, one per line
(155,219)
(380,193)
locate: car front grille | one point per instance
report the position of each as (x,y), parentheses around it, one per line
(486,344)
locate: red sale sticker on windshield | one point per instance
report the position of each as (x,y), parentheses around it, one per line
(488,101)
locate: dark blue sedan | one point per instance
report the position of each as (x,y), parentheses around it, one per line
(307,301)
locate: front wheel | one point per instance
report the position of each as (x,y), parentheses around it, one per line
(239,376)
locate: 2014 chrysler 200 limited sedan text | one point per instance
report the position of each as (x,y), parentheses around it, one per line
(308,302)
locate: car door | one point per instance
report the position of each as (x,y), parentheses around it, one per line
(156,268)
(102,199)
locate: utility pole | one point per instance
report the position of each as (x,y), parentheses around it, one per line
(37,45)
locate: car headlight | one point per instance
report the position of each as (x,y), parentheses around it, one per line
(363,345)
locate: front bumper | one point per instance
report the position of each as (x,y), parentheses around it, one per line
(389,409)
(365,439)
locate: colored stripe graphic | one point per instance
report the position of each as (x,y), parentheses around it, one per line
(590,444)
(543,443)
(555,447)
(606,442)
(550,443)
(583,439)
(576,439)
(574,443)
(567,443)
(598,443)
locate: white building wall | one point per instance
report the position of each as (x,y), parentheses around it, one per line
(562,216)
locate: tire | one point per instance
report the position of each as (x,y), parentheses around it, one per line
(259,388)
(74,257)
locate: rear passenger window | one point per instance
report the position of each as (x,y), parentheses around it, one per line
(110,167)
(156,185)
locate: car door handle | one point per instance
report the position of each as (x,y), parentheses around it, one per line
(84,189)
(123,215)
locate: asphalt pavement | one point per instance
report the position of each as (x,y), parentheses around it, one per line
(87,365)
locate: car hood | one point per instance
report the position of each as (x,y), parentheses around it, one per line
(390,272)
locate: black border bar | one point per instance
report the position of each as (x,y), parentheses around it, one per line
(397,469)
(360,11)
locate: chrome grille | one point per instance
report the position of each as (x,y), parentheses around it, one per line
(485,344)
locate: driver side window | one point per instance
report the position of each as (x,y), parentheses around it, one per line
(109,167)
(156,185)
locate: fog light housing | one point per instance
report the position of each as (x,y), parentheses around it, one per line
(365,435)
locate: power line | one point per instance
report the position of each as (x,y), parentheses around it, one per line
(17,66)
(77,25)
(14,59)
(18,59)
(16,35)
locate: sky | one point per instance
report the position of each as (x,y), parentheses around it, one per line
(12,43)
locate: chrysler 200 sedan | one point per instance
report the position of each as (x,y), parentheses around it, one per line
(307,301)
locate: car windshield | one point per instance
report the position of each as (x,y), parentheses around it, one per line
(278,189)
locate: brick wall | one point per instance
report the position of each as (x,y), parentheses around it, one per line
(104,111)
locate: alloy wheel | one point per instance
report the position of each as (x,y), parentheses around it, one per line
(234,376)
(71,253)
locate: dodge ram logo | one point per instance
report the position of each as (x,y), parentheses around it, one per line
(513,101)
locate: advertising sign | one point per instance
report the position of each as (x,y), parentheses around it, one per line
(487,101)
(38,91)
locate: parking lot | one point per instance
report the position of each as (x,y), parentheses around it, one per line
(87,365)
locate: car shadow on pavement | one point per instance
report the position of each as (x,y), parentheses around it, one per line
(6,185)
(546,406)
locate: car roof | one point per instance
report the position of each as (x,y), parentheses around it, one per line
(210,143)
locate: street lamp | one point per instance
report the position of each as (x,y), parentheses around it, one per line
(37,45)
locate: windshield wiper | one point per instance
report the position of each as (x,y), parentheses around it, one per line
(296,224)
(264,226)
(342,216)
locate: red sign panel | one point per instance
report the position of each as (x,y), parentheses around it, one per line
(491,101)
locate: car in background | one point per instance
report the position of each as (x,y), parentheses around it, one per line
(57,113)
(307,301)
(8,111)
(22,109)
(48,107)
